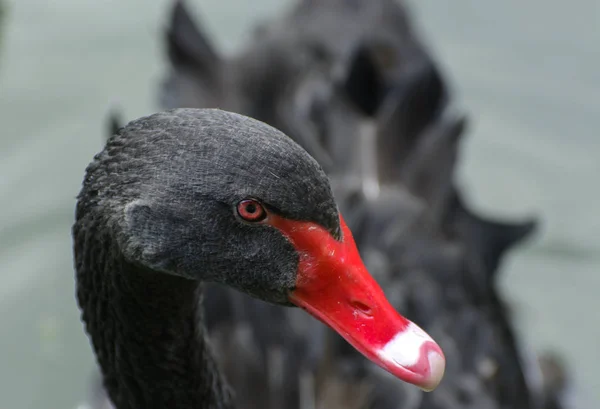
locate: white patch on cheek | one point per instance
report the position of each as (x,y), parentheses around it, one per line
(405,347)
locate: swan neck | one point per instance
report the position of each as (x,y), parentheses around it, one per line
(146,330)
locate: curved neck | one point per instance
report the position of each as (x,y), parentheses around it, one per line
(146,329)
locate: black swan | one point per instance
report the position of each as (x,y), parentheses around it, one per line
(455,249)
(188,196)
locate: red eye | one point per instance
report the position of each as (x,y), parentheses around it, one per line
(251,211)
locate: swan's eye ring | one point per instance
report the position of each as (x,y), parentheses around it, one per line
(251,210)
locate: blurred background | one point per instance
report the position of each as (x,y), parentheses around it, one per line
(527,72)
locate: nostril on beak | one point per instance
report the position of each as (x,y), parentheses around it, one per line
(362,308)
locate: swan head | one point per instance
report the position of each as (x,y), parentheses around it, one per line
(210,195)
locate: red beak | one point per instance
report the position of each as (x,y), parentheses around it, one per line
(334,286)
